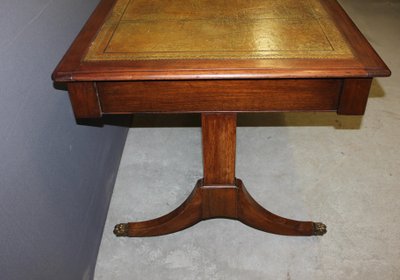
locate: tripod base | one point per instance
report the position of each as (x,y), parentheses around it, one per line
(208,202)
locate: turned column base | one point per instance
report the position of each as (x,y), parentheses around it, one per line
(209,202)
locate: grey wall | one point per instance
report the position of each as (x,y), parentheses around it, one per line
(56,177)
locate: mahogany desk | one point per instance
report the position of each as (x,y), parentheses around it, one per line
(217,58)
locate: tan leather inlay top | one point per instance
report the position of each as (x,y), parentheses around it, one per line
(217,29)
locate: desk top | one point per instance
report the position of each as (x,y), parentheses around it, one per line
(218,39)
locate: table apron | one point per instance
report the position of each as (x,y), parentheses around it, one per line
(219,95)
(345,96)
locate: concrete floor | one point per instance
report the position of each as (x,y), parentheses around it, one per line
(344,171)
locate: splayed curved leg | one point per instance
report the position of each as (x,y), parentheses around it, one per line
(186,215)
(253,214)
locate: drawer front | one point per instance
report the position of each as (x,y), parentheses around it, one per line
(220,96)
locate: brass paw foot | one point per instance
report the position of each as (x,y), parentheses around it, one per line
(121,230)
(319,229)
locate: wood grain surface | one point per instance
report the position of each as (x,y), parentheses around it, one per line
(220,95)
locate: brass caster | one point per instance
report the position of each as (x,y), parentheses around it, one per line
(319,229)
(121,230)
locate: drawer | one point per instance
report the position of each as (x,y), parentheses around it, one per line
(219,96)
